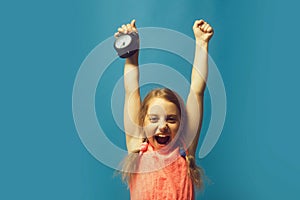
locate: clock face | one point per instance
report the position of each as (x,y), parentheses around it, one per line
(123,41)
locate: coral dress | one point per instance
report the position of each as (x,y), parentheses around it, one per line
(161,177)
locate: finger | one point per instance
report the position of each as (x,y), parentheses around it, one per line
(129,28)
(206,26)
(124,27)
(202,27)
(120,30)
(198,23)
(132,23)
(210,29)
(116,34)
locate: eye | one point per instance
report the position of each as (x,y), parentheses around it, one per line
(153,119)
(172,119)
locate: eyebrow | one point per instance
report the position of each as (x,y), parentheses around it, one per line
(171,115)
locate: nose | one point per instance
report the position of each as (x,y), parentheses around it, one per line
(164,127)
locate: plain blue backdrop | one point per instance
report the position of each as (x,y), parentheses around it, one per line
(43,43)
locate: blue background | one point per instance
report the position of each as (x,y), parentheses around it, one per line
(43,44)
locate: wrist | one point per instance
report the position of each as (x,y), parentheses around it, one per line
(201,43)
(133,59)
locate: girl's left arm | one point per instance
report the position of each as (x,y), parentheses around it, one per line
(203,32)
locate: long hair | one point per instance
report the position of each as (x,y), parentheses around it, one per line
(130,163)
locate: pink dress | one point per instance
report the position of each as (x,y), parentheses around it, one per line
(161,177)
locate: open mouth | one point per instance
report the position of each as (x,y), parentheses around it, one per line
(162,139)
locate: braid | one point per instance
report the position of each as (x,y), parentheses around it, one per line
(195,172)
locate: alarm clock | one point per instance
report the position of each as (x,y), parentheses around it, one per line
(127,44)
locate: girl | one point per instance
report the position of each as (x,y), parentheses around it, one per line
(161,132)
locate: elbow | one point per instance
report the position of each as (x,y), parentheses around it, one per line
(198,90)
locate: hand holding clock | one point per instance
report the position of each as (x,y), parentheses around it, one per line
(127,40)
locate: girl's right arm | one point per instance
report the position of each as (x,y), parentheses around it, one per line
(203,33)
(132,95)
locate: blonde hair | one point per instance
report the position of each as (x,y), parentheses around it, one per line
(130,163)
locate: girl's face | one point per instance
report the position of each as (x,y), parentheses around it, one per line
(161,123)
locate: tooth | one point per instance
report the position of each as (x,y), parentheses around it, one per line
(162,135)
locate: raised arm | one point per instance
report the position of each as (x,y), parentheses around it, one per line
(203,32)
(132,95)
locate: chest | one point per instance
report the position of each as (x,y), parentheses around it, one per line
(169,181)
